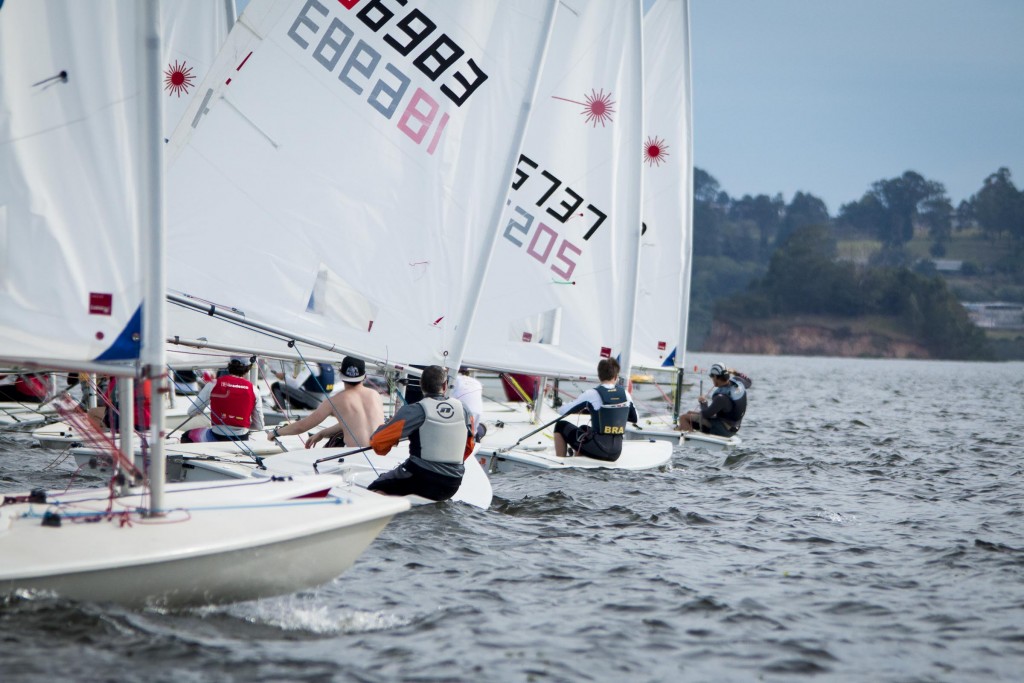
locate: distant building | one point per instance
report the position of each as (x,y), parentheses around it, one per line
(996,315)
(945,265)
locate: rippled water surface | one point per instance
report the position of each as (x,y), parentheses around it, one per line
(870,529)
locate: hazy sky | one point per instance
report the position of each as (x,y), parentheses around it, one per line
(828,96)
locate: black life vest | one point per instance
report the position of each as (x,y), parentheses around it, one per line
(611,418)
(737,393)
(322,384)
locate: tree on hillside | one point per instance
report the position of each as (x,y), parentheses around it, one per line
(803,276)
(892,207)
(937,215)
(708,216)
(706,189)
(764,212)
(999,206)
(805,209)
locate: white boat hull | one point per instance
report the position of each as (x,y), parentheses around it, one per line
(236,541)
(636,455)
(689,439)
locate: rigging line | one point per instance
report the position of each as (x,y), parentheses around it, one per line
(277,403)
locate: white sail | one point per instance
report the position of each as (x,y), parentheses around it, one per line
(355,153)
(105,109)
(69,112)
(193,32)
(665,256)
(560,287)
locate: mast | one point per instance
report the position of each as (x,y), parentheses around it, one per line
(634,256)
(152,357)
(684,303)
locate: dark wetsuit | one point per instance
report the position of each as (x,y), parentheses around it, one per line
(724,413)
(610,409)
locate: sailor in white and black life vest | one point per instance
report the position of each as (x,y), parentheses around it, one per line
(610,406)
(234,403)
(440,433)
(722,415)
(305,389)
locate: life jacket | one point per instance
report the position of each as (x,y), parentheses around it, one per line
(442,437)
(611,418)
(232,401)
(31,385)
(324,383)
(143,407)
(608,423)
(737,393)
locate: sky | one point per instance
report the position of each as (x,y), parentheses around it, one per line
(829,96)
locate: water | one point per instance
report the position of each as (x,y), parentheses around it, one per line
(869,530)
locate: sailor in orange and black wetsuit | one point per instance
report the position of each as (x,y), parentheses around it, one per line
(440,435)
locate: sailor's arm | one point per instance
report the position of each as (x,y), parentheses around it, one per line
(582,402)
(202,400)
(408,419)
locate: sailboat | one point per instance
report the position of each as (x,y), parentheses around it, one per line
(355,154)
(560,291)
(666,257)
(82,188)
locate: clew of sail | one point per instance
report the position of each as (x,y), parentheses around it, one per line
(559,291)
(341,163)
(665,256)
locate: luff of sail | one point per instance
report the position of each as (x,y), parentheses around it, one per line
(349,150)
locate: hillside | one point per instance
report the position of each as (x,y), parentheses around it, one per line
(886,277)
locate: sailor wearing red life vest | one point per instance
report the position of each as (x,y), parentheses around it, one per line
(234,406)
(107,416)
(23,388)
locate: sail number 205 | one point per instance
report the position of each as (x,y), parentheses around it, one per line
(561,203)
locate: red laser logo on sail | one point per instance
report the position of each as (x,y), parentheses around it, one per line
(598,107)
(655,151)
(178,78)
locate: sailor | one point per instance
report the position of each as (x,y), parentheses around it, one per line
(470,392)
(107,416)
(440,433)
(31,388)
(722,415)
(234,403)
(358,408)
(305,389)
(610,406)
